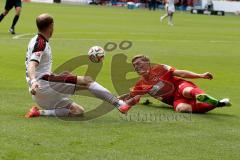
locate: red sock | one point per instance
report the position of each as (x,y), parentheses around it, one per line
(202,107)
(196,91)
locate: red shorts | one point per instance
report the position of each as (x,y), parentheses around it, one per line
(179,98)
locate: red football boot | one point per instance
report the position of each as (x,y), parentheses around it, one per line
(34,112)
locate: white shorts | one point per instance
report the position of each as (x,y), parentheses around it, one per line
(171,8)
(53,95)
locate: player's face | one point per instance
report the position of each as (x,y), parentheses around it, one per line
(142,67)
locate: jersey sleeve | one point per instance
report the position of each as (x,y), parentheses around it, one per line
(38,50)
(168,68)
(140,89)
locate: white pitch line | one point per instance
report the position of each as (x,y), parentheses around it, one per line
(136,40)
(22,35)
(89,33)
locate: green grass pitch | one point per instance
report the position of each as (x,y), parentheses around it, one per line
(196,42)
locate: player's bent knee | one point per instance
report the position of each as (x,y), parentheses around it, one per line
(88,79)
(79,111)
(84,80)
(186,92)
(76,110)
(183,107)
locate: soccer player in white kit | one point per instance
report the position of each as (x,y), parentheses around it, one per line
(170,9)
(51,92)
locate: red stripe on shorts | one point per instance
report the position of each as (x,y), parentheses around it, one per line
(62,78)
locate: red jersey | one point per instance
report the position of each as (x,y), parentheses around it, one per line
(160,84)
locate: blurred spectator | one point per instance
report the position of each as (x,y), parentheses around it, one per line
(190,3)
(114,2)
(209,5)
(152,4)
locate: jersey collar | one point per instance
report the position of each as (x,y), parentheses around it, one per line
(39,34)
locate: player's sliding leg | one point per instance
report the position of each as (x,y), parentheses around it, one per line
(194,107)
(191,106)
(200,96)
(213,101)
(202,107)
(183,108)
(205,98)
(72,109)
(36,112)
(100,92)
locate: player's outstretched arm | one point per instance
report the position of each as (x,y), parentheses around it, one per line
(130,100)
(124,96)
(192,75)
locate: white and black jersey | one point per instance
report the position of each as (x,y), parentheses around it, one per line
(55,90)
(39,50)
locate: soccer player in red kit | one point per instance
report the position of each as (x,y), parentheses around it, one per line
(166,84)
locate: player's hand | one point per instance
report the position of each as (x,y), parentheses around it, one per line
(34,88)
(134,100)
(207,75)
(124,97)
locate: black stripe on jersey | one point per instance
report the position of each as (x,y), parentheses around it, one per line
(35,60)
(40,44)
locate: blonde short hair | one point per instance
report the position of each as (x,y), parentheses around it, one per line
(141,56)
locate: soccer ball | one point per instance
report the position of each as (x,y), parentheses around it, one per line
(96,54)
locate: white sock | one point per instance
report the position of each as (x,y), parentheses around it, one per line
(94,86)
(47,112)
(102,93)
(59,112)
